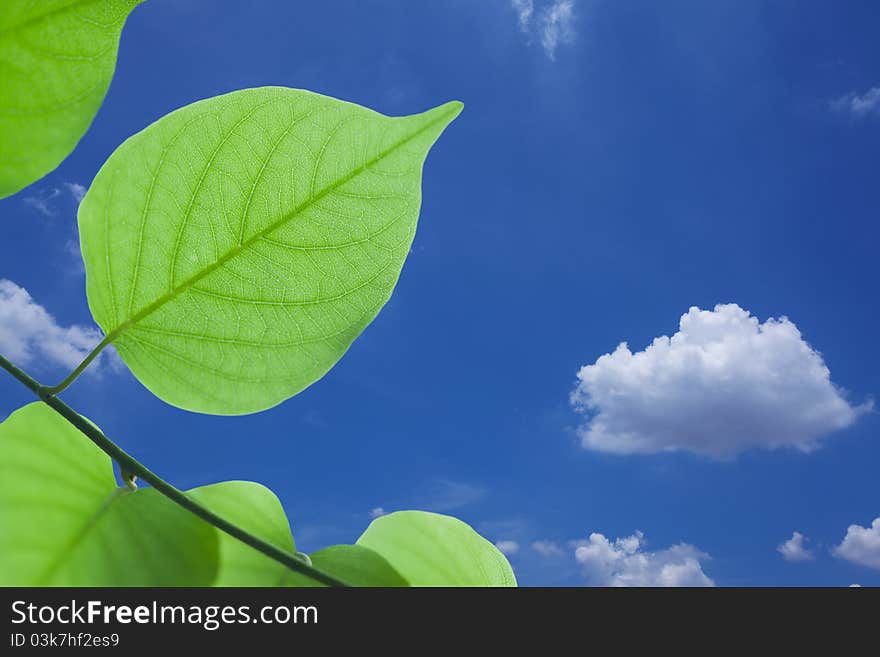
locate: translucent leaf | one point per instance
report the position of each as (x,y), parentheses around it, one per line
(257,510)
(56,62)
(235,248)
(64,521)
(429,549)
(354,565)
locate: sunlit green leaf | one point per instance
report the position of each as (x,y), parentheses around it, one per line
(235,248)
(56,62)
(257,510)
(353,564)
(65,522)
(429,549)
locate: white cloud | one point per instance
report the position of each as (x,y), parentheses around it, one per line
(723,384)
(378,512)
(553,26)
(794,549)
(524,10)
(548,549)
(624,562)
(76,190)
(557,26)
(859,106)
(45,201)
(507,547)
(28,332)
(861,545)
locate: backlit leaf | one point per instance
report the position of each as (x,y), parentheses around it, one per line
(235,248)
(56,62)
(65,522)
(257,510)
(354,565)
(429,549)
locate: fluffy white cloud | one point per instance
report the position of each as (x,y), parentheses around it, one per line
(553,25)
(724,383)
(861,545)
(28,332)
(794,549)
(859,106)
(625,562)
(548,549)
(508,547)
(377,512)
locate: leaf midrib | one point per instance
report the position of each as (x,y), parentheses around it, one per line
(52,569)
(246,244)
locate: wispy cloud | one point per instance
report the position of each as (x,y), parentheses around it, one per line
(548,549)
(507,547)
(448,495)
(552,24)
(723,384)
(858,106)
(377,512)
(28,333)
(557,26)
(524,10)
(794,549)
(46,201)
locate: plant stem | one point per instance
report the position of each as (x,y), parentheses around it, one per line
(128,464)
(54,390)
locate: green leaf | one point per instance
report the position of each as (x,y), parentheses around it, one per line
(56,62)
(257,510)
(236,248)
(64,521)
(429,549)
(353,564)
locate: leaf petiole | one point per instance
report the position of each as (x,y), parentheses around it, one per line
(61,387)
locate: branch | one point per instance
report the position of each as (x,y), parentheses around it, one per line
(131,466)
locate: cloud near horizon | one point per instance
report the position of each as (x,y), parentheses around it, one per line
(794,548)
(861,545)
(625,562)
(723,384)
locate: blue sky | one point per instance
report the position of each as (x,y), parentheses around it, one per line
(615,165)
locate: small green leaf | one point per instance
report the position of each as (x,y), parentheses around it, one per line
(56,62)
(65,522)
(257,510)
(353,564)
(429,549)
(236,248)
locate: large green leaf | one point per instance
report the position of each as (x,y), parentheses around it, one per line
(257,510)
(64,521)
(429,549)
(235,248)
(56,62)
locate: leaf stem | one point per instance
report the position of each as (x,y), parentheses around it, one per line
(61,387)
(131,466)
